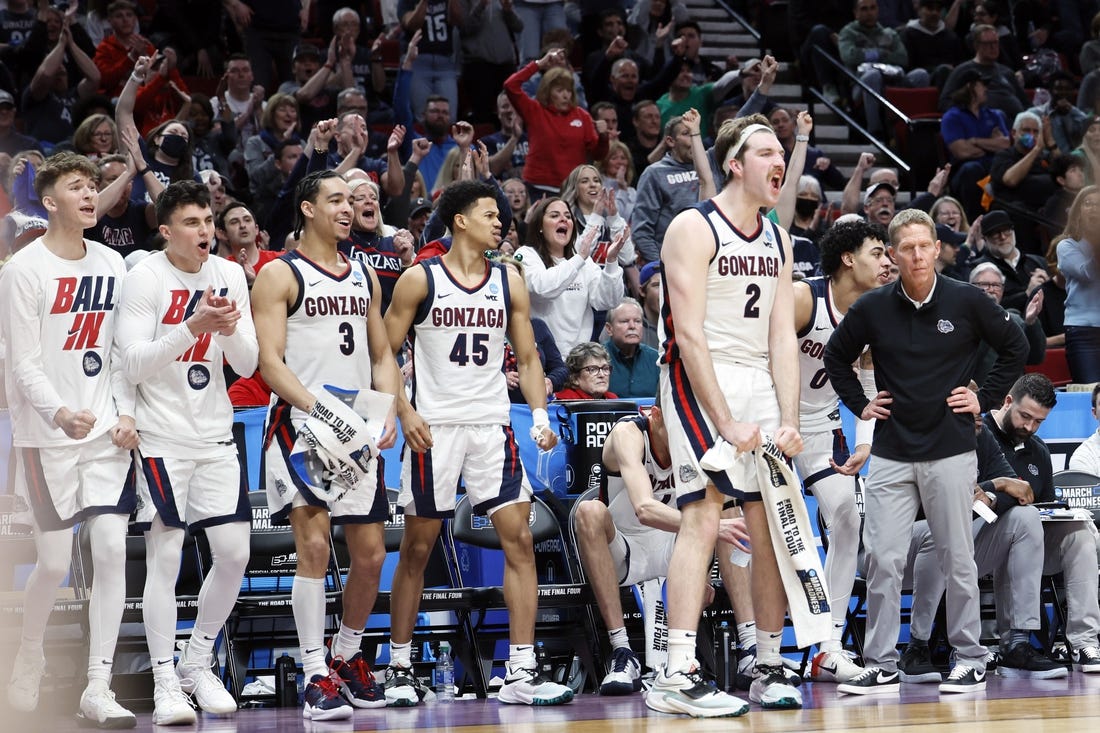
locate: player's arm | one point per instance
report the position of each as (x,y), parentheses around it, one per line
(783,355)
(20,307)
(624,451)
(803,306)
(240,346)
(387,376)
(274,288)
(409,292)
(685,279)
(532,381)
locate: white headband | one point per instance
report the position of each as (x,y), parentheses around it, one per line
(755,127)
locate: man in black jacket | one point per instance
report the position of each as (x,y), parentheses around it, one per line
(923,331)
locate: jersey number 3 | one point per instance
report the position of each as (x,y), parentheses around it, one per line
(477,352)
(347,346)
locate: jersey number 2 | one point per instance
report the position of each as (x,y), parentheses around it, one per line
(478,350)
(751,309)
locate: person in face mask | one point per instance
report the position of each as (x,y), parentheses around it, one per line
(1021,174)
(811,212)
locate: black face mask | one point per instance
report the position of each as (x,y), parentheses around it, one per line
(805,207)
(174,146)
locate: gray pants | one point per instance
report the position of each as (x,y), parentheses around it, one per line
(895,489)
(1071,549)
(1010,549)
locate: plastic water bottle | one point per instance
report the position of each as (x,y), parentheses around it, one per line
(286,682)
(725,629)
(444,674)
(543,659)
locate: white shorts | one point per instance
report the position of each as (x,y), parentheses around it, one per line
(66,485)
(750,394)
(485,457)
(191,493)
(286,490)
(818,447)
(642,555)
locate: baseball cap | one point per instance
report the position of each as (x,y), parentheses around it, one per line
(971,75)
(306,49)
(648,271)
(947,235)
(6,98)
(995,221)
(874,187)
(418,206)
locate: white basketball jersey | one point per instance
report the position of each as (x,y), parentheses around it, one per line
(58,318)
(458,349)
(617,497)
(326,327)
(741,285)
(818,405)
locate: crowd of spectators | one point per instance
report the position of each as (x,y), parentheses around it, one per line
(594,120)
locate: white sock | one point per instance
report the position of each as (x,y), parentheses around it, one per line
(401,654)
(347,642)
(163,669)
(833,644)
(522,655)
(681,651)
(746,635)
(619,638)
(767,647)
(307,598)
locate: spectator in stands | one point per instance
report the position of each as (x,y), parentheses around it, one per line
(214,138)
(350,144)
(558,40)
(649,25)
(991,13)
(554,370)
(667,187)
(650,279)
(129,224)
(237,228)
(608,113)
(1067,122)
(163,94)
(973,132)
(930,43)
(488,56)
(509,145)
(216,185)
(24,59)
(757,76)
(645,146)
(1053,317)
(562,134)
(1077,260)
(516,192)
(314,83)
(16,21)
(690,37)
(565,284)
(1090,51)
(991,281)
(539,17)
(684,94)
(193,28)
(278,125)
(812,215)
(237,91)
(634,369)
(1068,174)
(589,374)
(117,53)
(958,242)
(269,178)
(96,137)
(436,114)
(613,46)
(1004,92)
(870,50)
(47,103)
(435,66)
(359,66)
(11,140)
(817,23)
(27,219)
(817,164)
(1021,175)
(420,209)
(880,203)
(1070,548)
(1023,273)
(352,99)
(1086,457)
(617,169)
(270,30)
(591,204)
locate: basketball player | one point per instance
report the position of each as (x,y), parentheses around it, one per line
(459,308)
(72,419)
(626,537)
(853,260)
(182,311)
(730,370)
(318,322)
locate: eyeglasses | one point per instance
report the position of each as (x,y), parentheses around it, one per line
(1000,234)
(988,285)
(593,370)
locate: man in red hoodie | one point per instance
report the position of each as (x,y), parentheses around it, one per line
(115,55)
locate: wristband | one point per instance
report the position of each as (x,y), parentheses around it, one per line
(991,496)
(142,172)
(135,77)
(321,151)
(540,419)
(802,138)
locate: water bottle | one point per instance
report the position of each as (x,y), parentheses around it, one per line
(286,682)
(725,655)
(546,669)
(444,674)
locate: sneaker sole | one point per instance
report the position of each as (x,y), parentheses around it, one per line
(536,701)
(980,687)
(612,689)
(109,724)
(893,689)
(662,704)
(783,703)
(341,713)
(1032,674)
(402,702)
(922,678)
(179,719)
(1087,668)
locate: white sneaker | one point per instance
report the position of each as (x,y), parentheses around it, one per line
(197,680)
(1087,660)
(524,686)
(26,678)
(625,676)
(98,707)
(771,690)
(170,705)
(834,667)
(688,693)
